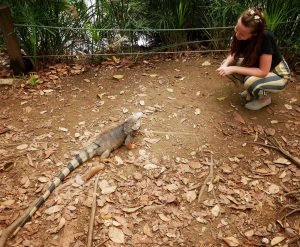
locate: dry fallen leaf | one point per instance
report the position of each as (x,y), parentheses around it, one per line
(191,196)
(119,160)
(274,121)
(61,224)
(63,129)
(22,146)
(231,241)
(78,180)
(152,140)
(118,77)
(93,171)
(270,131)
(147,230)
(106,188)
(282,175)
(43,179)
(277,240)
(238,117)
(289,107)
(206,63)
(195,165)
(116,60)
(25,182)
(131,210)
(116,235)
(293,100)
(150,166)
(54,209)
(197,111)
(215,210)
(164,217)
(137,175)
(28,109)
(273,189)
(282,161)
(7,203)
(171,187)
(167,198)
(249,233)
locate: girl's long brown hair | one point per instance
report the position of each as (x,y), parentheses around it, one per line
(250,51)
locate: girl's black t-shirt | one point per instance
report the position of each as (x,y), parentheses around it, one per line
(269,46)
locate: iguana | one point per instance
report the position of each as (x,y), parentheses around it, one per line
(102,146)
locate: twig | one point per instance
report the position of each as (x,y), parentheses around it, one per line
(208,178)
(284,187)
(29,159)
(4,130)
(8,145)
(292,192)
(293,240)
(103,242)
(264,145)
(91,225)
(12,156)
(290,213)
(278,147)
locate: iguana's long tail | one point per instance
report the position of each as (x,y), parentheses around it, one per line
(79,159)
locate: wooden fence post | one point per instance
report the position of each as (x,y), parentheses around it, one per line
(11,40)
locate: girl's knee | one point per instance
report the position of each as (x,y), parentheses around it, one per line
(246,86)
(248,81)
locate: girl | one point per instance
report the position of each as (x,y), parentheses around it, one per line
(255,60)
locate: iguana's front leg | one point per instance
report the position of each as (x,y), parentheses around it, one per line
(105,154)
(128,143)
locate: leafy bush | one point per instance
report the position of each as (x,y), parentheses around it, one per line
(58,27)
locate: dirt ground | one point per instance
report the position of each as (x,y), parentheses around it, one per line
(194,177)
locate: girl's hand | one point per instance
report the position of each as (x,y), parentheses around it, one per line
(224,71)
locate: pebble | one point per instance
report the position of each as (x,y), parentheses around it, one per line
(265,241)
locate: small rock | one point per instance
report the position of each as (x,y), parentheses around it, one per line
(265,241)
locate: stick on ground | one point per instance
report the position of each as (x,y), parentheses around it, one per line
(91,225)
(278,147)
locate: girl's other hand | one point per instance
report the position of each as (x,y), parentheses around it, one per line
(225,70)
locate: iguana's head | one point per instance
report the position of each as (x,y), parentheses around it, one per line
(133,122)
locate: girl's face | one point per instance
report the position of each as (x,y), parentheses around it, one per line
(242,32)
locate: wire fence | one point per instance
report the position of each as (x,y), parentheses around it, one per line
(126,29)
(105,42)
(85,42)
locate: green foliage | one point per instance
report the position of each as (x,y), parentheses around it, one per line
(33,80)
(96,16)
(283,18)
(170,14)
(32,14)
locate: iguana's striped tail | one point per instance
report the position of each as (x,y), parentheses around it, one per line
(79,159)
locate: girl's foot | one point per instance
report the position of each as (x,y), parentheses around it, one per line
(246,95)
(259,103)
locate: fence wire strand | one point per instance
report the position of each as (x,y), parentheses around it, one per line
(129,53)
(82,54)
(124,29)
